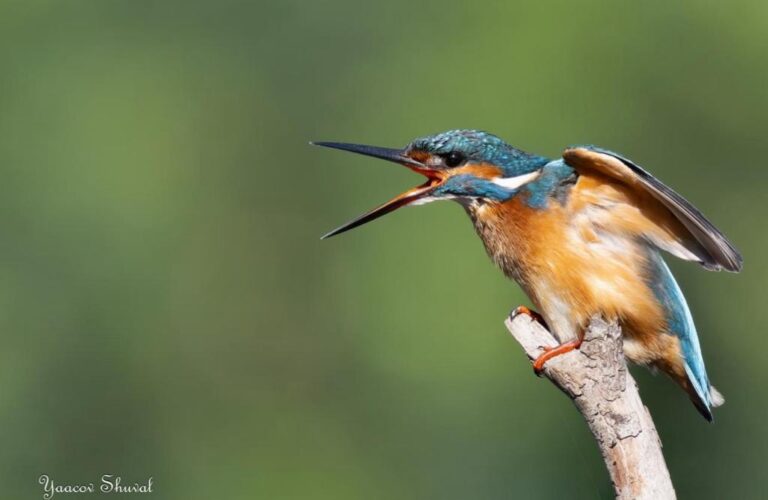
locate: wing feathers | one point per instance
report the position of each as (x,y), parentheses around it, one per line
(720,253)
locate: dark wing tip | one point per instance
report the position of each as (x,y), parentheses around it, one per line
(725,257)
(736,262)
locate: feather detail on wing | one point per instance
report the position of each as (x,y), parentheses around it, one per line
(703,242)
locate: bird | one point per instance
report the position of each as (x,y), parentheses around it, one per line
(582,235)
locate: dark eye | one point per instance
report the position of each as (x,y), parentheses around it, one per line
(454,159)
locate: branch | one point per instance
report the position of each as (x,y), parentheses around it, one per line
(596,379)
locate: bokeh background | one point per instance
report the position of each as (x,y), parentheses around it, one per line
(168,310)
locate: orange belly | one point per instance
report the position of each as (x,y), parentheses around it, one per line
(573,270)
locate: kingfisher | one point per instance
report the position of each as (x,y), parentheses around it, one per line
(582,235)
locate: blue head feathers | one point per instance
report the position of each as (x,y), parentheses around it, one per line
(480,147)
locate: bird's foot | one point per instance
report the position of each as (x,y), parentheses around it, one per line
(552,352)
(528,312)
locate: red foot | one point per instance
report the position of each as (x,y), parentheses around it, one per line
(552,352)
(533,314)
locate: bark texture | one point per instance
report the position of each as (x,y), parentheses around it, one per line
(596,379)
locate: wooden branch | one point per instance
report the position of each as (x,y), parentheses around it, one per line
(596,379)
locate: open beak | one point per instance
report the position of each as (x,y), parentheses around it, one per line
(433,176)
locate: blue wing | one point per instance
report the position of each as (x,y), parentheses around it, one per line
(681,324)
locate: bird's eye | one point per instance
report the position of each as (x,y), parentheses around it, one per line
(454,159)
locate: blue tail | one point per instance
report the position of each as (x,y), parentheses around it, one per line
(703,395)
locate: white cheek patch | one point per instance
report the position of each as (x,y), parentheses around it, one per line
(513,183)
(430,199)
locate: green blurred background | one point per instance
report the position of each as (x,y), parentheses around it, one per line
(167,308)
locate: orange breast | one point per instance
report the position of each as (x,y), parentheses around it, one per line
(573,267)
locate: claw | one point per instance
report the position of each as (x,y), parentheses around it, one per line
(528,312)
